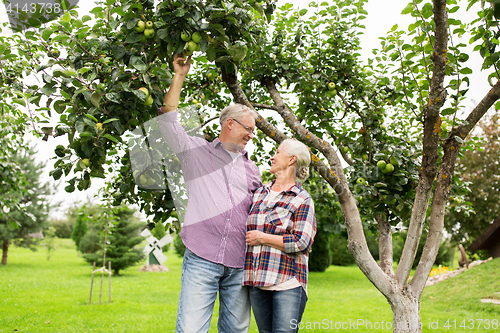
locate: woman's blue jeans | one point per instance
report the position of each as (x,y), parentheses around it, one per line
(278,311)
(200,282)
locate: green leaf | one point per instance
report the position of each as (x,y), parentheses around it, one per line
(113,97)
(466,71)
(112,138)
(303,12)
(46,33)
(134,38)
(109,120)
(86,134)
(408,9)
(20,101)
(211,54)
(59,106)
(95,98)
(137,62)
(56,173)
(91,117)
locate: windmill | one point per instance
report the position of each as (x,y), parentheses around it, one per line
(153,249)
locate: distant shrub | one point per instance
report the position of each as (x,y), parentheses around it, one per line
(339,253)
(320,256)
(179,246)
(63,228)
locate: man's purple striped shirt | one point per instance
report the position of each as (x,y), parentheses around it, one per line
(219,191)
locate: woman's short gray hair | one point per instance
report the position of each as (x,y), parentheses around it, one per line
(236,111)
(297,148)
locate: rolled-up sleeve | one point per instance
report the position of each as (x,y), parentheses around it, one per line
(175,135)
(301,237)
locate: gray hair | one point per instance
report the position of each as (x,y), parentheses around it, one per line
(236,111)
(297,148)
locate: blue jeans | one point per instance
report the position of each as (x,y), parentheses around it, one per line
(278,311)
(200,282)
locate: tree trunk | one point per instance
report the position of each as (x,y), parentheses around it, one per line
(5,250)
(406,313)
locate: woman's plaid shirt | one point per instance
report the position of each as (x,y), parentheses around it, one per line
(291,214)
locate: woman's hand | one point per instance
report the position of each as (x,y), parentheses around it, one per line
(254,237)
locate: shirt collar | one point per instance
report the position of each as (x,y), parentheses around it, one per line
(294,189)
(216,143)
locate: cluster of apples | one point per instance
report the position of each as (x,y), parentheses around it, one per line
(146,27)
(192,40)
(387,167)
(332,91)
(149,99)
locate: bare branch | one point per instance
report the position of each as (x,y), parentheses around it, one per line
(264,106)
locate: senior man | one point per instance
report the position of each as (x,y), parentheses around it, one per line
(220,181)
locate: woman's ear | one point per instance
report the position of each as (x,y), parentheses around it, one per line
(293,159)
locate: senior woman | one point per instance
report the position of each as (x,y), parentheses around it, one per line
(280,232)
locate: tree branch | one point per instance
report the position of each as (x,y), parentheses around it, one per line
(451,149)
(385,244)
(432,128)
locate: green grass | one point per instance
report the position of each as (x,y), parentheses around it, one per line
(37,295)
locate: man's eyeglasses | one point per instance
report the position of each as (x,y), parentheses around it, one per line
(249,130)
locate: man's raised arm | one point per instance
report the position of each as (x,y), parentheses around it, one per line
(181,68)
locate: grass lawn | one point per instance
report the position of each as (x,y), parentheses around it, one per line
(37,295)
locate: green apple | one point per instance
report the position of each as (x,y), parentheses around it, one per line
(54,53)
(365,157)
(331,86)
(361,181)
(393,160)
(140,26)
(196,37)
(192,46)
(149,25)
(151,182)
(332,93)
(149,33)
(145,90)
(143,180)
(211,76)
(186,36)
(149,100)
(389,168)
(194,101)
(86,163)
(345,150)
(381,165)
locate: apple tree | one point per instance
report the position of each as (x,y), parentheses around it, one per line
(391,120)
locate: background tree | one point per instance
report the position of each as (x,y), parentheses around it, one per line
(33,199)
(480,169)
(122,231)
(391,120)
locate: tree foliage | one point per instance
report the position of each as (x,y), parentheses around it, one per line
(113,234)
(480,169)
(32,197)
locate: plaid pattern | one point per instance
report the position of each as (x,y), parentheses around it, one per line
(290,215)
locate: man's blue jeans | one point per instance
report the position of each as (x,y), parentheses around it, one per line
(278,311)
(200,282)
